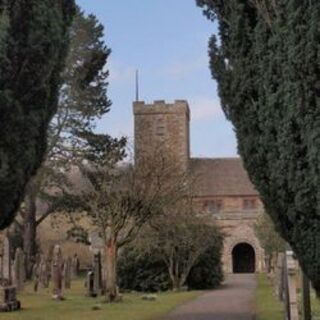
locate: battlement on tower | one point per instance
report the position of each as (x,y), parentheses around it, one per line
(161,107)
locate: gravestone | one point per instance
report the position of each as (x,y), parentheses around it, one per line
(97,273)
(1,261)
(90,285)
(18,270)
(8,292)
(75,266)
(8,299)
(56,271)
(7,274)
(36,276)
(67,273)
(44,272)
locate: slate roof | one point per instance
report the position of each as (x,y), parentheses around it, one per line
(221,177)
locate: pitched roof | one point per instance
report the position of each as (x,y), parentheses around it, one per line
(221,177)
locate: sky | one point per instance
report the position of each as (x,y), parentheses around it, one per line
(167,41)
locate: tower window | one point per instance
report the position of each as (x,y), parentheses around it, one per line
(214,206)
(160,129)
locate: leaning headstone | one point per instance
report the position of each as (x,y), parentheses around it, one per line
(7,274)
(57,269)
(18,270)
(67,273)
(75,266)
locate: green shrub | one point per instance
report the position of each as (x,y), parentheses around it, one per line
(141,272)
(147,273)
(207,273)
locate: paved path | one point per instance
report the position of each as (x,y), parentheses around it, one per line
(233,301)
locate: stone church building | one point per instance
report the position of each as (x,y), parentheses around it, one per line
(223,190)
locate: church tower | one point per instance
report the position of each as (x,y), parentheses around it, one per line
(162,125)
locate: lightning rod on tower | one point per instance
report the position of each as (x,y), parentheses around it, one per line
(137,85)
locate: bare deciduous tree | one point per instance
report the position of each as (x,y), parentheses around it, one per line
(122,198)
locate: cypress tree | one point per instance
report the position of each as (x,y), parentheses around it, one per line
(266,60)
(33,46)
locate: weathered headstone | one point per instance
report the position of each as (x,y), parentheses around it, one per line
(90,285)
(19,270)
(8,299)
(97,273)
(1,261)
(36,276)
(57,270)
(67,273)
(75,266)
(44,273)
(7,274)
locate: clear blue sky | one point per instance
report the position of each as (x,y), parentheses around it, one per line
(167,41)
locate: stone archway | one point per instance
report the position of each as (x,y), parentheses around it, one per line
(242,234)
(243,258)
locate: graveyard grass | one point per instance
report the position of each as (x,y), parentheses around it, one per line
(315,306)
(40,306)
(267,306)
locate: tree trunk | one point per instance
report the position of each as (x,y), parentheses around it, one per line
(112,293)
(176,286)
(29,235)
(174,276)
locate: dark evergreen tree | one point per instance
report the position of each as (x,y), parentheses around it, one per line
(82,101)
(266,60)
(33,46)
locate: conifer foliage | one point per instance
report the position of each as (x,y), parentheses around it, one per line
(33,46)
(266,60)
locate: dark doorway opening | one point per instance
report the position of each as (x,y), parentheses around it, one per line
(243,258)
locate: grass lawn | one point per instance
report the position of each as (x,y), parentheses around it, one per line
(315,307)
(267,306)
(315,303)
(40,306)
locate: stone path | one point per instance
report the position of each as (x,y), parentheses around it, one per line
(233,301)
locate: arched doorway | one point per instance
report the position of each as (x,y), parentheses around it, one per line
(243,258)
